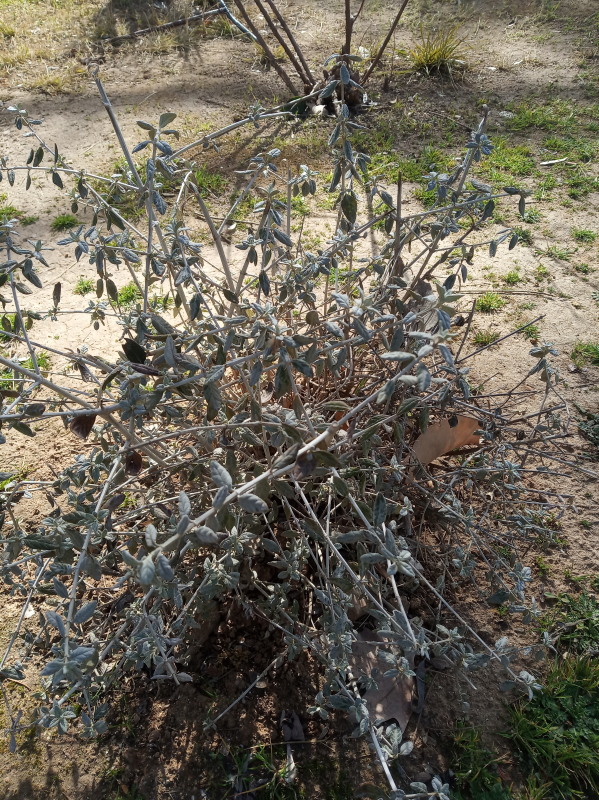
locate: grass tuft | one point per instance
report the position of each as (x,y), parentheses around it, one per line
(64,222)
(437,52)
(490,302)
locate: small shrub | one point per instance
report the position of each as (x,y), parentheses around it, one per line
(64,222)
(490,302)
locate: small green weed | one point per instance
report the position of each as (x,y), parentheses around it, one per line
(437,52)
(475,767)
(84,286)
(513,277)
(524,235)
(584,235)
(589,428)
(128,295)
(544,187)
(584,269)
(300,206)
(532,215)
(580,185)
(8,376)
(507,161)
(541,273)
(561,253)
(484,338)
(208,182)
(64,222)
(542,566)
(557,732)
(531,332)
(490,302)
(574,622)
(585,353)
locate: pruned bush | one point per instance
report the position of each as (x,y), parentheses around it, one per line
(276,427)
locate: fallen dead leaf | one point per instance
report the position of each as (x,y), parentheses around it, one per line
(393,697)
(444,436)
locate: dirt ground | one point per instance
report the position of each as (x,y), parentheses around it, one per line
(518,54)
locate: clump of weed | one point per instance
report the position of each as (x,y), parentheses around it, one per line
(541,273)
(437,52)
(557,731)
(128,295)
(584,269)
(584,235)
(524,235)
(84,286)
(585,353)
(475,767)
(531,332)
(490,302)
(64,222)
(208,182)
(513,277)
(484,338)
(560,253)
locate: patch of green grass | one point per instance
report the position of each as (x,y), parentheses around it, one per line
(589,428)
(64,222)
(573,148)
(7,31)
(561,253)
(437,52)
(379,137)
(524,235)
(584,235)
(300,206)
(557,732)
(584,269)
(553,115)
(8,376)
(585,353)
(532,215)
(475,767)
(484,338)
(531,332)
(541,273)
(508,161)
(8,212)
(513,277)
(84,286)
(580,185)
(490,302)
(128,295)
(544,187)
(574,623)
(209,182)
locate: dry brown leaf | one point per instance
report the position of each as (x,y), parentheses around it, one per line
(445,436)
(393,697)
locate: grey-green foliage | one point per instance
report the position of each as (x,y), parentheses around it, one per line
(268,421)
